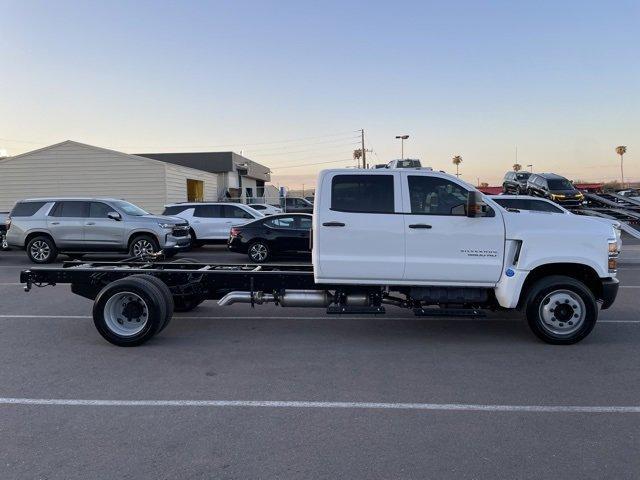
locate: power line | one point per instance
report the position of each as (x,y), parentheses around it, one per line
(309,164)
(288,152)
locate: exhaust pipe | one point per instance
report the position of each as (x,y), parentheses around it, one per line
(290,298)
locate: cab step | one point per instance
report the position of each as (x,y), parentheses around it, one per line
(449,312)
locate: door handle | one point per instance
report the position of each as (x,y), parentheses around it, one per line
(333,224)
(90,223)
(55,223)
(420,225)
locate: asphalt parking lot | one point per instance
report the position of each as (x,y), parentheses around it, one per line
(454,398)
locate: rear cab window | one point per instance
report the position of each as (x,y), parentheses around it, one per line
(363,193)
(26,209)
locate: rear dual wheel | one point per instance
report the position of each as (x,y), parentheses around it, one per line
(130,311)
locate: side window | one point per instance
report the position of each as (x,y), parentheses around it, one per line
(362,193)
(70,209)
(231,211)
(281,222)
(99,210)
(436,196)
(258,207)
(208,211)
(26,209)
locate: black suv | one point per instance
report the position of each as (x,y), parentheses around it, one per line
(515,182)
(555,188)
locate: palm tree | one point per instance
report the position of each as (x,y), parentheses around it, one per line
(517,167)
(457,160)
(621,150)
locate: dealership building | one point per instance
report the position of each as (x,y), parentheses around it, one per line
(149,180)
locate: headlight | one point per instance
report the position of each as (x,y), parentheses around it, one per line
(168,226)
(613,255)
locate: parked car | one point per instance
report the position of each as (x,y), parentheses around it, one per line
(515,182)
(265,208)
(297,205)
(555,188)
(532,204)
(3,231)
(405,163)
(631,192)
(265,238)
(211,222)
(45,227)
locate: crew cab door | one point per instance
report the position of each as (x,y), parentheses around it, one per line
(443,245)
(358,228)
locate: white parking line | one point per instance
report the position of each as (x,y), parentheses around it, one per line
(458,407)
(326,317)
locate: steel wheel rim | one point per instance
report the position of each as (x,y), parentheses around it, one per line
(258,252)
(142,247)
(126,314)
(40,250)
(562,312)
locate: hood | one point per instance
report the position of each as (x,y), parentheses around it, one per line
(164,219)
(580,228)
(568,193)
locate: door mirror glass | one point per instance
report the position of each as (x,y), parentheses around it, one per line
(475,205)
(114,216)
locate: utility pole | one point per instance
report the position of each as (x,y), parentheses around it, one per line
(303,190)
(364,152)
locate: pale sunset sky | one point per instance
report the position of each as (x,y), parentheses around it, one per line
(289,83)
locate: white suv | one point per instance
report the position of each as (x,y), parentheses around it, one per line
(211,222)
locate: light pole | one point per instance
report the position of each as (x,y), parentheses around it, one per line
(530,167)
(621,150)
(402,139)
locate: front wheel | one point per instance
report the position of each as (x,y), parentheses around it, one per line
(259,252)
(143,245)
(561,310)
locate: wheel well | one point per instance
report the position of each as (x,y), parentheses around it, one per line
(578,271)
(135,235)
(32,235)
(192,232)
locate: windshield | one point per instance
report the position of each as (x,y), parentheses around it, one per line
(560,184)
(130,208)
(523,175)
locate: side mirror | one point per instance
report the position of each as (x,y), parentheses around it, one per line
(475,205)
(114,216)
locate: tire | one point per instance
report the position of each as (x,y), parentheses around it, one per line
(561,327)
(195,243)
(142,245)
(124,326)
(167,295)
(42,249)
(259,252)
(186,303)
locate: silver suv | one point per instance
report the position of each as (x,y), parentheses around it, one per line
(74,226)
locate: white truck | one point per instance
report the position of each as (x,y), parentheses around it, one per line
(409,238)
